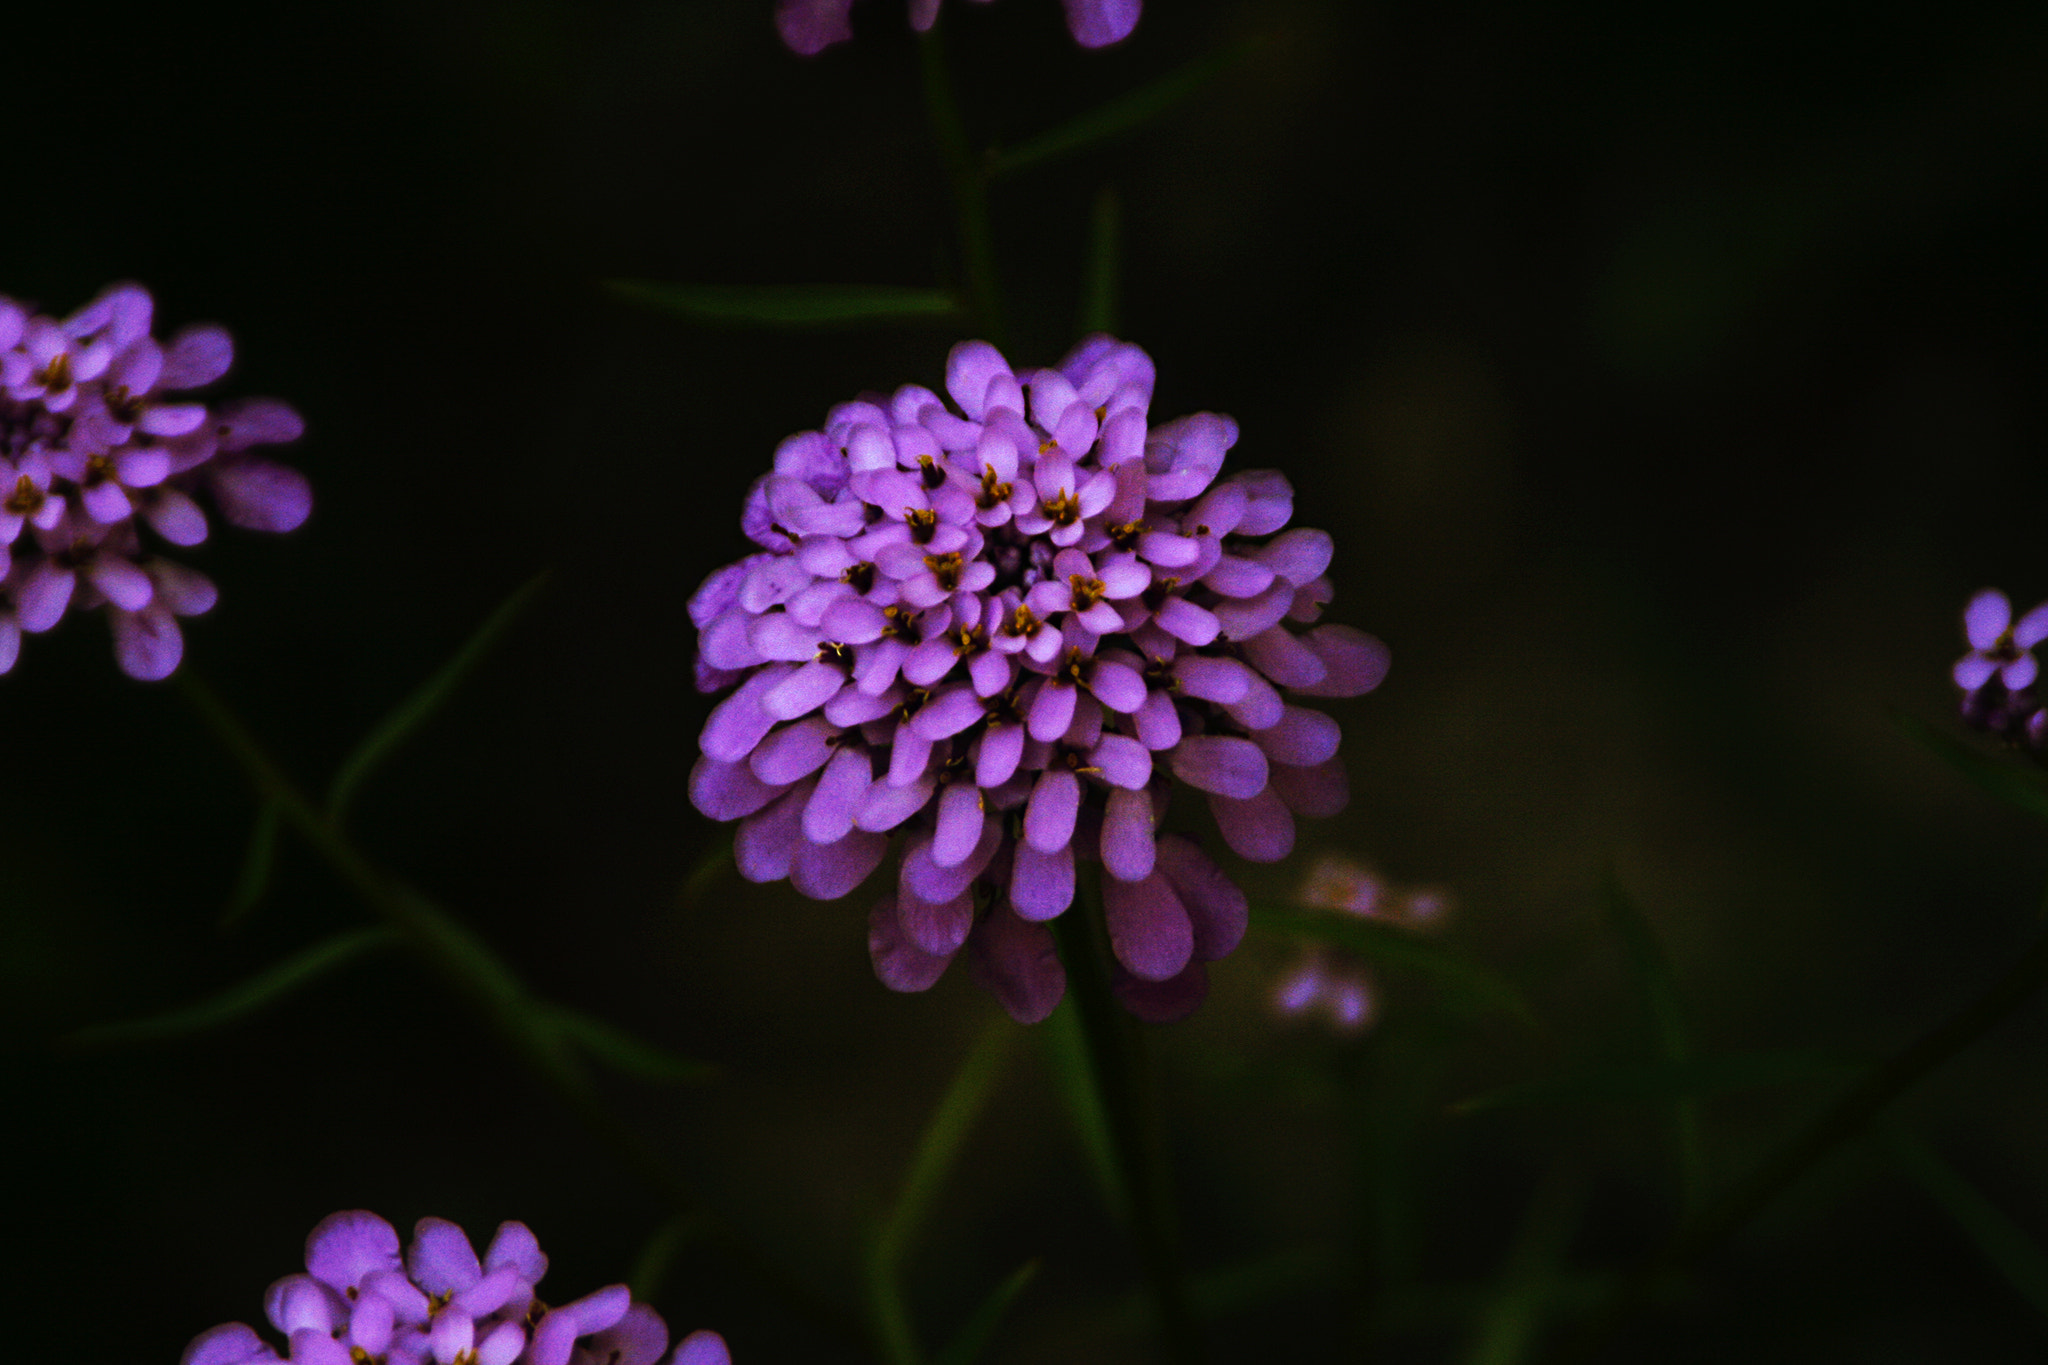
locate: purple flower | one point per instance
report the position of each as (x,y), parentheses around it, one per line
(1998,675)
(811,26)
(998,635)
(102,450)
(441,1304)
(1332,982)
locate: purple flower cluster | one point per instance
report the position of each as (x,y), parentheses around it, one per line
(1008,629)
(811,26)
(100,442)
(359,1303)
(1999,675)
(1335,983)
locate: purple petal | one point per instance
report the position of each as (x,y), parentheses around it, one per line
(1124,761)
(1052,711)
(441,1260)
(971,368)
(514,1245)
(186,592)
(728,791)
(1117,686)
(231,1343)
(311,1347)
(122,580)
(1002,746)
(1972,671)
(1148,927)
(1049,818)
(900,964)
(1041,884)
(1357,662)
(947,713)
(935,927)
(825,872)
(1016,962)
(260,496)
(1216,906)
(1186,622)
(794,752)
(842,788)
(1258,828)
(804,691)
(1285,658)
(1163,1002)
(1299,556)
(39,603)
(175,517)
(2019,673)
(1157,722)
(2031,629)
(1211,677)
(765,845)
(1222,764)
(1240,620)
(638,1338)
(1098,23)
(1302,738)
(889,804)
(1128,852)
(300,1302)
(959,824)
(703,1348)
(811,26)
(1986,618)
(738,723)
(346,1247)
(1320,791)
(1234,577)
(196,357)
(1261,707)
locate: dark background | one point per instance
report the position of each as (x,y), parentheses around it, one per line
(1668,376)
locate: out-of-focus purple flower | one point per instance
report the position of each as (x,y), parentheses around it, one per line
(999,633)
(1331,982)
(102,449)
(1998,676)
(811,26)
(441,1304)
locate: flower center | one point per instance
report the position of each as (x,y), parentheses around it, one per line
(98,469)
(1087,591)
(1125,537)
(901,625)
(1023,623)
(56,376)
(26,499)
(946,569)
(861,576)
(1155,596)
(124,406)
(929,471)
(1064,508)
(923,523)
(838,655)
(967,640)
(993,490)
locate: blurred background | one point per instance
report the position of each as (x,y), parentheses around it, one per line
(1669,377)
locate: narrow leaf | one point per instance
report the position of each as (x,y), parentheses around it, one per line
(2022,788)
(1066,1054)
(972,1341)
(790,305)
(238,1002)
(1659,985)
(409,715)
(257,864)
(1513,1316)
(1105,248)
(1660,1082)
(938,1149)
(1386,946)
(2004,1244)
(1117,117)
(624,1052)
(650,1270)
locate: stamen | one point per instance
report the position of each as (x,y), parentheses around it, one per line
(1087,591)
(946,568)
(1064,508)
(98,469)
(923,522)
(26,499)
(901,625)
(968,640)
(1125,537)
(1023,622)
(913,703)
(836,654)
(861,576)
(993,490)
(1155,596)
(56,376)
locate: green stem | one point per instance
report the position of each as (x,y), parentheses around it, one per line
(1117,1067)
(969,179)
(486,982)
(1843,1120)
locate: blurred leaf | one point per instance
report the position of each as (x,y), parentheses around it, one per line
(706,874)
(412,713)
(2009,1249)
(1386,946)
(1655,1082)
(1105,247)
(2022,788)
(257,863)
(973,1339)
(1066,1053)
(623,1052)
(1514,1313)
(651,1269)
(938,1149)
(790,305)
(1117,117)
(238,1002)
(1659,985)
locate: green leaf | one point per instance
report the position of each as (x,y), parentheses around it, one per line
(1662,1081)
(2022,788)
(1105,247)
(238,1002)
(650,1270)
(1659,985)
(971,1342)
(1066,1055)
(624,1052)
(1117,117)
(1514,1314)
(790,305)
(2009,1249)
(710,869)
(1386,946)
(938,1149)
(257,864)
(409,715)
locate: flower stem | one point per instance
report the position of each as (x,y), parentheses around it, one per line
(969,180)
(488,984)
(1117,1067)
(1842,1121)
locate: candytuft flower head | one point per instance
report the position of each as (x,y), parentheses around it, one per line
(102,451)
(1002,632)
(442,1304)
(1999,675)
(811,26)
(1333,982)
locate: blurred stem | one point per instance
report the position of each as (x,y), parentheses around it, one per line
(1842,1121)
(1117,1066)
(969,179)
(486,983)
